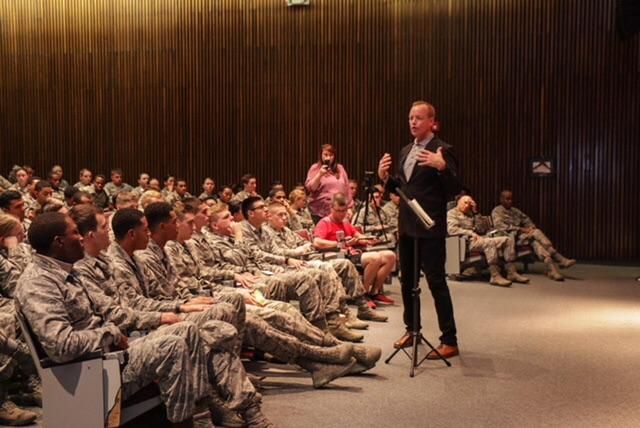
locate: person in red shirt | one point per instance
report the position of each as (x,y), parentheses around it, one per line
(333,231)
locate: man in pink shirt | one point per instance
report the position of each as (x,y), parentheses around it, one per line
(333,231)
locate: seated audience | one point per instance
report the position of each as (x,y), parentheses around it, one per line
(510,219)
(497,249)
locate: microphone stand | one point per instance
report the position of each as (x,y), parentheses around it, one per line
(416,334)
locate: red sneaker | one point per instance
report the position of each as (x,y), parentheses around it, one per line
(371,303)
(381,298)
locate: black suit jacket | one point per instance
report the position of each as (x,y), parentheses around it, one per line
(430,187)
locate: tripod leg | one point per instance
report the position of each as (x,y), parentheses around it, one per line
(422,339)
(414,356)
(392,355)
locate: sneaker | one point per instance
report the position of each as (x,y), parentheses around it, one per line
(10,414)
(371,303)
(381,298)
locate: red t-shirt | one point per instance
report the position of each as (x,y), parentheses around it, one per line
(327,228)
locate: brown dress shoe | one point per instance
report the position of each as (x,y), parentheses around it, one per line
(405,341)
(447,351)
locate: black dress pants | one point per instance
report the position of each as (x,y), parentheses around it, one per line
(431,258)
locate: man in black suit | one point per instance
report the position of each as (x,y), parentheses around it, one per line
(426,171)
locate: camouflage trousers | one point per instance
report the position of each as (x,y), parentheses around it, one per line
(173,357)
(282,333)
(348,275)
(303,286)
(542,246)
(20,360)
(494,247)
(217,327)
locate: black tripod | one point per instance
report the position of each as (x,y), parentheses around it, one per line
(416,334)
(369,200)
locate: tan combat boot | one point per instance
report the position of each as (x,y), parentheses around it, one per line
(338,354)
(497,278)
(353,322)
(513,275)
(322,373)
(563,262)
(366,358)
(12,415)
(338,329)
(366,313)
(254,418)
(553,272)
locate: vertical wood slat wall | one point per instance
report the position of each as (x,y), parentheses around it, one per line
(223,87)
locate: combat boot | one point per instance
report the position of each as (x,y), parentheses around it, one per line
(497,278)
(352,321)
(221,415)
(470,272)
(12,415)
(553,272)
(339,330)
(254,418)
(366,358)
(366,313)
(513,275)
(322,374)
(339,354)
(563,262)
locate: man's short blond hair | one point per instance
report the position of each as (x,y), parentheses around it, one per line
(430,108)
(7,224)
(214,211)
(339,200)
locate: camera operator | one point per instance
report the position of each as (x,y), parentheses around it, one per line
(324,179)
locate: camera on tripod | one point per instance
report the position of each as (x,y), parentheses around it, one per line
(367,181)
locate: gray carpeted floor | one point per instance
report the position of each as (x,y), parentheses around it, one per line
(543,354)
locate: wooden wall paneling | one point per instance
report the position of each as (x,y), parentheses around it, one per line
(221,87)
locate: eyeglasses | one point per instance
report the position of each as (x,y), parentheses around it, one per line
(259,207)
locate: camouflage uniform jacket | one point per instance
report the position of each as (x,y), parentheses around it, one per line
(111,189)
(61,313)
(510,219)
(130,280)
(244,257)
(210,267)
(262,244)
(285,242)
(459,224)
(392,211)
(10,272)
(95,276)
(163,281)
(188,269)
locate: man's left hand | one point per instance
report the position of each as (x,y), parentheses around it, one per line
(434,160)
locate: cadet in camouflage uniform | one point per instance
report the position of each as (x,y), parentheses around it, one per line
(116,185)
(460,222)
(392,211)
(279,285)
(96,278)
(288,243)
(11,351)
(14,256)
(249,185)
(131,231)
(511,220)
(68,325)
(300,216)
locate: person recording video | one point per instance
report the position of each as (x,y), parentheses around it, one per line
(324,179)
(426,170)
